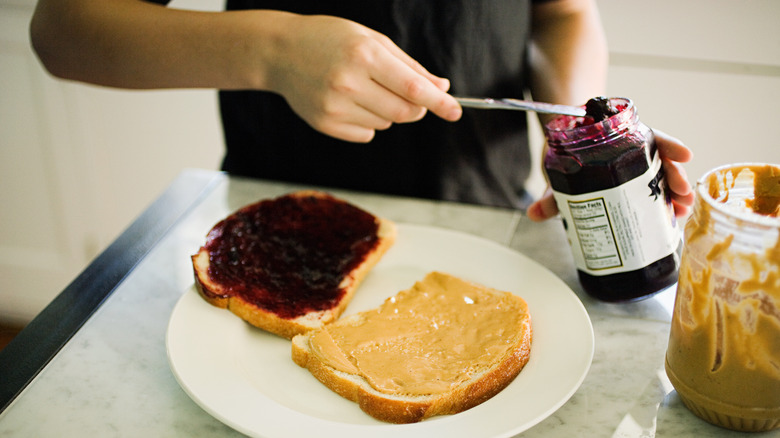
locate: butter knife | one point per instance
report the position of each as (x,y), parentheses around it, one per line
(520,105)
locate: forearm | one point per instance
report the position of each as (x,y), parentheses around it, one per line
(568,52)
(134,44)
(568,57)
(342,78)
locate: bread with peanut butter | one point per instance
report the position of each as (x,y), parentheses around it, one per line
(443,346)
(290,264)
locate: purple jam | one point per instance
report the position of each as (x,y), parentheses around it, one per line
(289,255)
(600,108)
(601,151)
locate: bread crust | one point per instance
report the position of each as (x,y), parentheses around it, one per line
(217,295)
(411,408)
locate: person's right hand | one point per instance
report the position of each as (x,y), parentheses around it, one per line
(347,81)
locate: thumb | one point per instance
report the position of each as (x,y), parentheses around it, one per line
(543,209)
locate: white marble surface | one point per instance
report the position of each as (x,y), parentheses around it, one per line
(113,379)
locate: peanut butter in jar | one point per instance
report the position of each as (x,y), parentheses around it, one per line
(724,349)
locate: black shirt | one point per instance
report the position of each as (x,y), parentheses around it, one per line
(479,45)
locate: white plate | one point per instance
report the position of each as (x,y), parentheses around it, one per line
(245,377)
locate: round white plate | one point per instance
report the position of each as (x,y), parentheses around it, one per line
(245,377)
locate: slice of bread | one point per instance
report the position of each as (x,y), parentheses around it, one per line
(441,347)
(290,264)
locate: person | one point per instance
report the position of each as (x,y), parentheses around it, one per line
(347,94)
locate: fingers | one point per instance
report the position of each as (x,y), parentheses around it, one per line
(543,209)
(387,105)
(671,148)
(406,78)
(378,86)
(396,93)
(417,90)
(370,107)
(358,131)
(673,152)
(441,83)
(676,178)
(348,81)
(682,193)
(350,133)
(349,121)
(682,209)
(355,116)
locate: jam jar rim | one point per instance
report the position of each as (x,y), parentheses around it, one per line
(604,127)
(747,216)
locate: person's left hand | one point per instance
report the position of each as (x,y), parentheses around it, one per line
(673,152)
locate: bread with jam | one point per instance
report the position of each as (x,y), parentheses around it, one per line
(290,264)
(441,347)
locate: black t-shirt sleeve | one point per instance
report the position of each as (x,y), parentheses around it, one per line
(159,2)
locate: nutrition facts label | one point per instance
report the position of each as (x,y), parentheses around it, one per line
(621,229)
(596,238)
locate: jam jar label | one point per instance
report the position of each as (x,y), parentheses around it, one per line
(621,229)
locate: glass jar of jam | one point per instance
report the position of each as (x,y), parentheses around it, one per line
(723,356)
(609,185)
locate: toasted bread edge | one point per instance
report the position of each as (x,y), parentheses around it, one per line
(287,328)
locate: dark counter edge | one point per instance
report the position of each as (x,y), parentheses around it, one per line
(38,343)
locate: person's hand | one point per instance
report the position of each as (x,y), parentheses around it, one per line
(672,151)
(347,81)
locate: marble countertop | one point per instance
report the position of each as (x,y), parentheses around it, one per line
(108,373)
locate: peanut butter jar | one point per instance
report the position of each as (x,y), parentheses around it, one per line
(723,356)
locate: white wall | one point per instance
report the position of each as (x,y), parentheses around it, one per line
(705,71)
(79,163)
